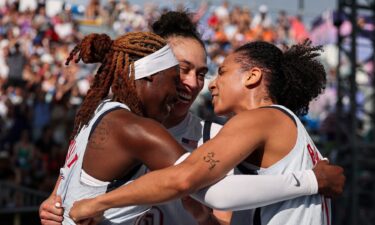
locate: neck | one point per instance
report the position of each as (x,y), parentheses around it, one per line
(254,103)
(173,120)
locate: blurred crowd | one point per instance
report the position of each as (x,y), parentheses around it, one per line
(39,95)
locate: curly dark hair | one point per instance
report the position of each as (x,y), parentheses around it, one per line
(116,58)
(176,23)
(294,77)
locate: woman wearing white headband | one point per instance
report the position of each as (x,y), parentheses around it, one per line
(111,138)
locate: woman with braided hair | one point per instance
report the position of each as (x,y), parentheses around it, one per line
(264,88)
(111,138)
(181,34)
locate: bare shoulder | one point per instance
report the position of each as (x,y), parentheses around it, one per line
(261,120)
(137,130)
(260,116)
(145,139)
(251,118)
(128,122)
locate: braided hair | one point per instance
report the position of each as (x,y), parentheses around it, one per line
(117,58)
(294,77)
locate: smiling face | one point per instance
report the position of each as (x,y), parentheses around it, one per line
(192,58)
(229,89)
(158,93)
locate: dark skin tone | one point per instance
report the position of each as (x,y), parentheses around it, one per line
(129,140)
(123,140)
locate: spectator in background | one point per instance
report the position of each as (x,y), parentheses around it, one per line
(16,62)
(262,19)
(298,30)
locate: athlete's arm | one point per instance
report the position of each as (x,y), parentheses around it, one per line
(49,212)
(149,142)
(204,166)
(239,192)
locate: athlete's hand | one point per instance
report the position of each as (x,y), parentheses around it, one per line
(200,212)
(51,212)
(331,178)
(84,210)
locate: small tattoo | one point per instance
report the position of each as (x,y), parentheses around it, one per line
(100,136)
(210,159)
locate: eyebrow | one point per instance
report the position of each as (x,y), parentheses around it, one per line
(191,64)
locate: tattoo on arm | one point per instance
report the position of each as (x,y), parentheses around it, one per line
(100,136)
(209,158)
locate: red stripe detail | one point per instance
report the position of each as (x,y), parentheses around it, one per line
(326,207)
(72,147)
(73,160)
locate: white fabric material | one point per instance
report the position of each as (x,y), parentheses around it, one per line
(71,187)
(158,61)
(239,192)
(312,209)
(92,181)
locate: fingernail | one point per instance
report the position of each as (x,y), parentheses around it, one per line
(326,159)
(57,205)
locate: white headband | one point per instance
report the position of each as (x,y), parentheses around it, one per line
(160,60)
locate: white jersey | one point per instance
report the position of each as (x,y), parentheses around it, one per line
(75,184)
(190,134)
(306,210)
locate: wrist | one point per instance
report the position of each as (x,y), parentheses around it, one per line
(100,204)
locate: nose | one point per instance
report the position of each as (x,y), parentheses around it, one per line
(190,80)
(212,85)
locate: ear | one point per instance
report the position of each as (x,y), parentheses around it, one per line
(252,77)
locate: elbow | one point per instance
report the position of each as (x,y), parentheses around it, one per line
(184,187)
(184,183)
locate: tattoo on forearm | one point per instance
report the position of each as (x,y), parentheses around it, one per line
(209,158)
(100,136)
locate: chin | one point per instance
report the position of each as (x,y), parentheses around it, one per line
(180,109)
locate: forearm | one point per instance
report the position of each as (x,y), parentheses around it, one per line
(239,192)
(147,190)
(162,185)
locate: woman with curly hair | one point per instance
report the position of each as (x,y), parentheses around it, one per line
(263,89)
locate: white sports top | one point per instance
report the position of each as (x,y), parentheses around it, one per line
(75,184)
(307,210)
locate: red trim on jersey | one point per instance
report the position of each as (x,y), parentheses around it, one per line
(73,160)
(326,211)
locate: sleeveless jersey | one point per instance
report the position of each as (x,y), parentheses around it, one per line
(306,210)
(190,134)
(72,186)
